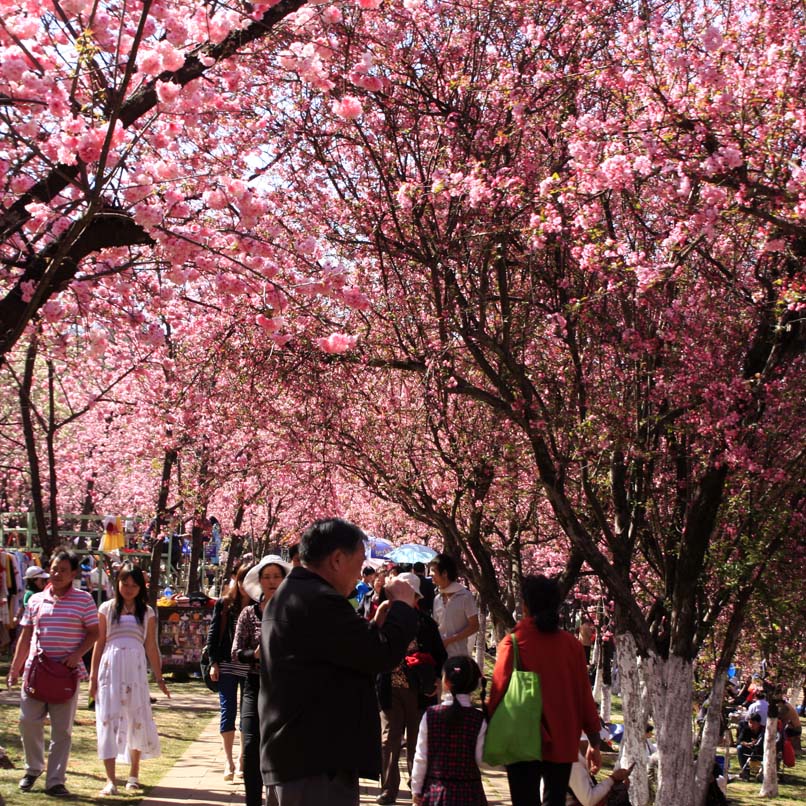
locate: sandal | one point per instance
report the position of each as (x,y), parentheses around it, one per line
(229,774)
(132,784)
(109,789)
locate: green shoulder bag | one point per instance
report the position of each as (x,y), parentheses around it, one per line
(514,733)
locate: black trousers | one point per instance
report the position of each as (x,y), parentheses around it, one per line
(524,783)
(250,726)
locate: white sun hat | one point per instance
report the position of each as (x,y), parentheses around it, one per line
(413,580)
(251,582)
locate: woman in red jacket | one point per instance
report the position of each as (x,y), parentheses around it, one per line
(568,705)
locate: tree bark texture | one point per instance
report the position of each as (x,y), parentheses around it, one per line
(671,685)
(633,742)
(710,739)
(606,704)
(481,636)
(769,785)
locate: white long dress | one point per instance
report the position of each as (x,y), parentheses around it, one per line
(123,717)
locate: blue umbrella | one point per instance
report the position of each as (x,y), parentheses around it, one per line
(378,547)
(411,553)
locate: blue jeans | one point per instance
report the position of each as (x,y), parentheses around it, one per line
(228,685)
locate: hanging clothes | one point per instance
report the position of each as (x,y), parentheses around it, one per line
(113,537)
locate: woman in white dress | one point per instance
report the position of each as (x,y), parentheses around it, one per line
(119,679)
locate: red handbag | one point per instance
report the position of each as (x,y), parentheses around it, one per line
(788,754)
(50,680)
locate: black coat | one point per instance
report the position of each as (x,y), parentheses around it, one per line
(428,640)
(221,633)
(429,592)
(318,709)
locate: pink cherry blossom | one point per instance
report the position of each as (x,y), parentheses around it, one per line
(337,343)
(712,39)
(349,107)
(355,298)
(167,91)
(270,325)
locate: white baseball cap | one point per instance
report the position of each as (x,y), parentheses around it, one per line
(35,572)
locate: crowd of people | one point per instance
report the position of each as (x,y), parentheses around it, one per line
(334,666)
(751,705)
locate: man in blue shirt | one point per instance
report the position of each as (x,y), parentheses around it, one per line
(365,585)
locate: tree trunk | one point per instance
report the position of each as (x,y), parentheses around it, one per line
(633,742)
(713,720)
(27,416)
(196,551)
(502,618)
(234,552)
(87,508)
(598,682)
(769,786)
(481,636)
(710,739)
(672,684)
(159,546)
(606,703)
(51,448)
(235,542)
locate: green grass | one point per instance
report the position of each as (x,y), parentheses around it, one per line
(791,791)
(179,723)
(791,786)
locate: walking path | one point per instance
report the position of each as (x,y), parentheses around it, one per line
(198,779)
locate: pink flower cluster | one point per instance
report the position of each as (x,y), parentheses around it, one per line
(349,107)
(337,343)
(307,60)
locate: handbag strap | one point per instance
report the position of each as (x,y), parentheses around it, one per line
(516,660)
(223,621)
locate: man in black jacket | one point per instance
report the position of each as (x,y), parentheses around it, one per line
(318,709)
(751,737)
(427,589)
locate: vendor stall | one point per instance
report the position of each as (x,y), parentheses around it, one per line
(183,626)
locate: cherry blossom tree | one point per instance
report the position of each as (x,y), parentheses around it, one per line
(587,219)
(444,461)
(126,137)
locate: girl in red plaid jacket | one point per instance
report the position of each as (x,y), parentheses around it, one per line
(451,742)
